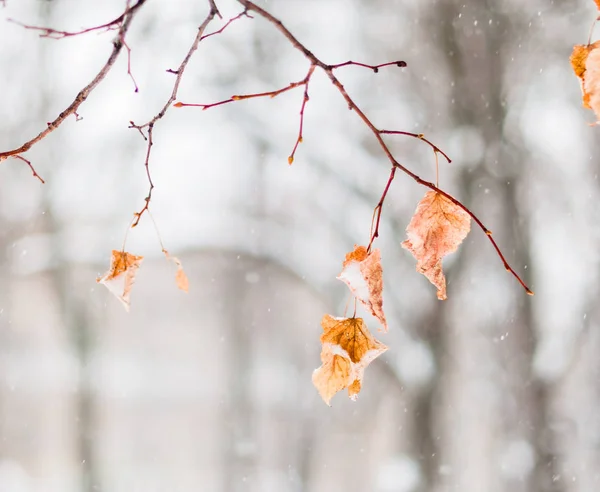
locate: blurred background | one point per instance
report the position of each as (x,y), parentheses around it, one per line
(489,391)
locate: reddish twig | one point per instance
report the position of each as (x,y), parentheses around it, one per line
(375,68)
(226,25)
(213,8)
(328,69)
(420,136)
(138,215)
(214,12)
(437,168)
(378,209)
(304,101)
(48,32)
(28,162)
(129,72)
(125,21)
(240,97)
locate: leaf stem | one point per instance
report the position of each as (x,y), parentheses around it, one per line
(379,208)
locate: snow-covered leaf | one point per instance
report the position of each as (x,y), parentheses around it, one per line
(121,275)
(363,274)
(348,348)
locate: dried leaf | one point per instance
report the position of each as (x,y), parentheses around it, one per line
(585,60)
(351,335)
(180,277)
(363,274)
(597,2)
(332,376)
(578,58)
(437,229)
(348,348)
(121,275)
(354,389)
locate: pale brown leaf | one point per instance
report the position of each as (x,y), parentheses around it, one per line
(348,348)
(180,277)
(591,82)
(121,275)
(437,229)
(363,274)
(332,376)
(585,60)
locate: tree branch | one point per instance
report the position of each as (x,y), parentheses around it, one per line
(329,69)
(213,12)
(28,162)
(375,68)
(125,22)
(48,32)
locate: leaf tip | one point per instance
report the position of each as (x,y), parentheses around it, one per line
(181,279)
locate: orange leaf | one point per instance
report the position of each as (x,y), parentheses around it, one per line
(363,274)
(348,348)
(332,376)
(437,228)
(578,58)
(597,2)
(121,275)
(180,277)
(585,60)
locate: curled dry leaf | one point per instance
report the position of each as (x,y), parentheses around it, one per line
(585,60)
(437,228)
(121,275)
(348,348)
(363,274)
(180,277)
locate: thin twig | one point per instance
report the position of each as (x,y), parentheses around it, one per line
(126,18)
(304,82)
(241,97)
(226,25)
(437,168)
(28,162)
(129,72)
(305,99)
(379,208)
(375,68)
(328,69)
(48,32)
(214,9)
(420,136)
(138,215)
(214,12)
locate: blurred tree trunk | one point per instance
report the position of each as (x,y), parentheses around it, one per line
(507,411)
(241,441)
